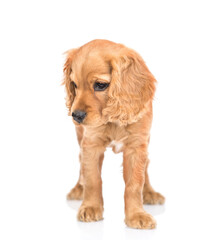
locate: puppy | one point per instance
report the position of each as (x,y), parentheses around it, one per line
(109,95)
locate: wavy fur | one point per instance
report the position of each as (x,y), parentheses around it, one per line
(119,117)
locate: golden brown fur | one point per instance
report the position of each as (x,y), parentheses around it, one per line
(120,114)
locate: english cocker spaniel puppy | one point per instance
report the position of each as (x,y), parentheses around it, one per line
(109,96)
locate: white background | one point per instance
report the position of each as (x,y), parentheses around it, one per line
(39,151)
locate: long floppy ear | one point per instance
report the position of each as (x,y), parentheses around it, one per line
(131,89)
(70,90)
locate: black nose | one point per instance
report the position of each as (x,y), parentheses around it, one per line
(79,116)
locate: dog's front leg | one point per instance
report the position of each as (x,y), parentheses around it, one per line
(91,161)
(135,159)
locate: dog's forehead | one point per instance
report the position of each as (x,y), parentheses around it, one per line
(90,61)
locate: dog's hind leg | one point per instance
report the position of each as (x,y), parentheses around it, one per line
(76,193)
(149,195)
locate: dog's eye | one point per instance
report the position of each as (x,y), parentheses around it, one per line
(100,86)
(74,84)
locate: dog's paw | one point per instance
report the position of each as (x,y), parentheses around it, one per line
(141,220)
(76,193)
(90,214)
(151,197)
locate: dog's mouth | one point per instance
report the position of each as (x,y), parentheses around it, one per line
(95,121)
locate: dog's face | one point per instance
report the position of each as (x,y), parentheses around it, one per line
(89,79)
(106,82)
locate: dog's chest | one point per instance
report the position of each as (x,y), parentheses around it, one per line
(117,146)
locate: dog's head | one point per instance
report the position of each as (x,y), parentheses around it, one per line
(107,82)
